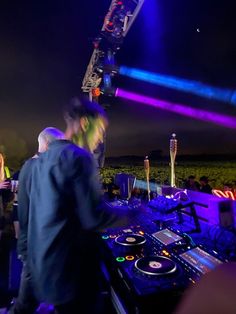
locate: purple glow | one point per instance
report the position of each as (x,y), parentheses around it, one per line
(227,121)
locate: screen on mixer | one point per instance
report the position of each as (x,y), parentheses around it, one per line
(166,236)
(200,260)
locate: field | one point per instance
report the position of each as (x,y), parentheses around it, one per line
(219,173)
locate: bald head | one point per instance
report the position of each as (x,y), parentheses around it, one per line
(47,136)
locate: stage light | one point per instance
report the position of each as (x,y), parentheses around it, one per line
(111,92)
(194,87)
(96,92)
(118,20)
(208,116)
(107,80)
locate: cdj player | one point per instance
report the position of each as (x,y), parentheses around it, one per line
(149,269)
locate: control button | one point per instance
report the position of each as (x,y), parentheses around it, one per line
(129,257)
(120,259)
(127,230)
(193,281)
(165,253)
(112,236)
(105,237)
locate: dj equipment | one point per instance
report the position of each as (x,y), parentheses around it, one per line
(148,267)
(125,182)
(163,204)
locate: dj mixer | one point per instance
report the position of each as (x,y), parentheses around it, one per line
(149,267)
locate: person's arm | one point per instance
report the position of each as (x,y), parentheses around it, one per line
(92,212)
(23,208)
(4,185)
(86,191)
(15,217)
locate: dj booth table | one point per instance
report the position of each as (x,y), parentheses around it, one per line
(165,248)
(149,263)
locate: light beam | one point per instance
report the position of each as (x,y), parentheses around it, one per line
(207,116)
(194,87)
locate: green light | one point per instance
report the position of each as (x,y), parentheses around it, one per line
(120,259)
(105,237)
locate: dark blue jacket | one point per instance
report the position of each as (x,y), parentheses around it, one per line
(58,199)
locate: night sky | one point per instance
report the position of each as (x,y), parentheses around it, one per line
(45,48)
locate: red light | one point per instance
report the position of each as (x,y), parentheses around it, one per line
(96,92)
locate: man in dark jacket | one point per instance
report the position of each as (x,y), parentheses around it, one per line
(62,194)
(45,137)
(26,302)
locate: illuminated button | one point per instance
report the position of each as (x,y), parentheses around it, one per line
(105,237)
(129,257)
(127,230)
(193,281)
(141,232)
(112,236)
(120,259)
(165,253)
(154,264)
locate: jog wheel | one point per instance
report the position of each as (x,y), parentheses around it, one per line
(130,239)
(155,265)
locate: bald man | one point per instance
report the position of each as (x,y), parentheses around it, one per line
(45,137)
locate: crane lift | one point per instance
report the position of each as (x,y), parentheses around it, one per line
(102,67)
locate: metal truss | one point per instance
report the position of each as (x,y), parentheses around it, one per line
(117,22)
(92,78)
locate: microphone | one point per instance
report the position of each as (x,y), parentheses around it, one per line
(147,171)
(173,152)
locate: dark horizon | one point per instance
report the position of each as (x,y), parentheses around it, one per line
(190,157)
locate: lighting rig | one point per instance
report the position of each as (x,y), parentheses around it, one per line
(102,67)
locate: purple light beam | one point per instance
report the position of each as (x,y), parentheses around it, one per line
(208,116)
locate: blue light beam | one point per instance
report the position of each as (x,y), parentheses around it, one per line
(194,87)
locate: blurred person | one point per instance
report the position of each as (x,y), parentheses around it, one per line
(204,185)
(228,187)
(192,184)
(63,195)
(6,196)
(4,183)
(214,293)
(4,170)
